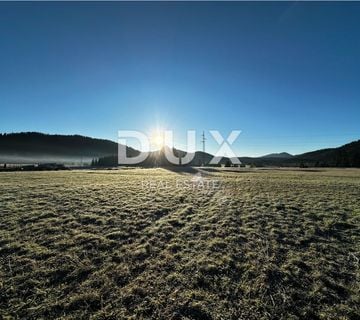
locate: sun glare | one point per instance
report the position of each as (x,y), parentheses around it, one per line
(157,139)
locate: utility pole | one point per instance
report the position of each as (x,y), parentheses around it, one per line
(203,145)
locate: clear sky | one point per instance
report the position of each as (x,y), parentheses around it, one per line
(286,74)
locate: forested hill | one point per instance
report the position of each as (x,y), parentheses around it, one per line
(33,143)
(347,155)
(34,147)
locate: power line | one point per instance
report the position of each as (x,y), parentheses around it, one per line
(203,145)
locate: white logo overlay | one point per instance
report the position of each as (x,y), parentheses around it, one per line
(182,158)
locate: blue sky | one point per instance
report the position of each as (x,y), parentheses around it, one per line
(286,74)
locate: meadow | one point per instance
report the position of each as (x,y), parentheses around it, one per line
(158,244)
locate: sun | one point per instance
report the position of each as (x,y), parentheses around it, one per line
(157,139)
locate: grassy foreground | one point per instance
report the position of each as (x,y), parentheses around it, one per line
(148,244)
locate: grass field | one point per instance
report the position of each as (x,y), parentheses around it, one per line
(157,244)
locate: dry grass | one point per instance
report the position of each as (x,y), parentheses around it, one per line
(103,245)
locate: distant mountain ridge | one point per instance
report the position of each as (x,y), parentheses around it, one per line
(38,147)
(281,155)
(347,155)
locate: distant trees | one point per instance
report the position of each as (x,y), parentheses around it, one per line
(108,161)
(94,162)
(321,164)
(303,165)
(341,158)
